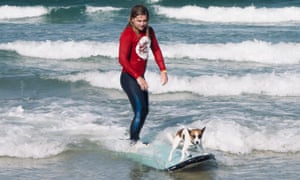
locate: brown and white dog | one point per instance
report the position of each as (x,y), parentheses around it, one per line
(189,137)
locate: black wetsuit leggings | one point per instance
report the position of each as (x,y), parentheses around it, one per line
(139,101)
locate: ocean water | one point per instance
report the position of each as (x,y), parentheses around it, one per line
(234,67)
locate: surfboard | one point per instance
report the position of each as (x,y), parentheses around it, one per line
(192,162)
(155,155)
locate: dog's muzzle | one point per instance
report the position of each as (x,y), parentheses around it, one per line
(196,142)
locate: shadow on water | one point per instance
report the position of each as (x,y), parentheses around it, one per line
(204,171)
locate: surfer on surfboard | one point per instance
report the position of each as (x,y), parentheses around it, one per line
(136,41)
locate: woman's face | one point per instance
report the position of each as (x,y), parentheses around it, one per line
(140,22)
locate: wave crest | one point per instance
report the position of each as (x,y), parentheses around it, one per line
(246,51)
(248,14)
(261,84)
(15,12)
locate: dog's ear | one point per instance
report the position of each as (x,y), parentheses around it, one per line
(203,129)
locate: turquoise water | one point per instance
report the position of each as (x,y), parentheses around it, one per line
(233,67)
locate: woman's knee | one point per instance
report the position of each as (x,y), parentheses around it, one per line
(145,111)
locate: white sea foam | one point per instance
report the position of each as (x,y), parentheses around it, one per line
(229,136)
(14,12)
(21,142)
(97,79)
(61,49)
(44,131)
(153,1)
(48,131)
(246,51)
(20,138)
(264,84)
(35,134)
(249,14)
(285,84)
(93,9)
(253,51)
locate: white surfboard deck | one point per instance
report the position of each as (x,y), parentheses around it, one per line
(156,155)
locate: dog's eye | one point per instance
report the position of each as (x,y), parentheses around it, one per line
(194,136)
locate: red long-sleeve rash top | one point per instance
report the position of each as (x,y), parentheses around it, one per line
(133,52)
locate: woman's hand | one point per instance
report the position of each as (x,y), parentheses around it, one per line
(143,83)
(163,77)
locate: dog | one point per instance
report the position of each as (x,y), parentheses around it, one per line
(189,137)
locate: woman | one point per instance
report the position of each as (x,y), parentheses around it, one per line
(135,43)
